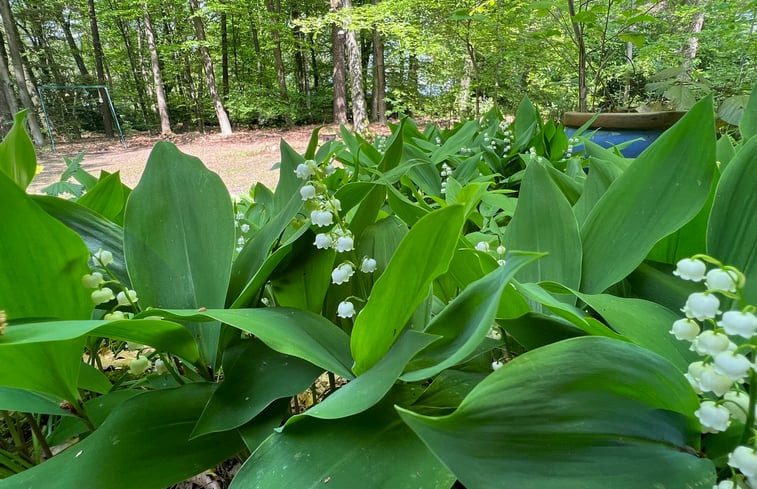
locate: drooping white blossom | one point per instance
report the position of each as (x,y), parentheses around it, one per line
(482,246)
(123,300)
(737,404)
(103,257)
(714,418)
(101,296)
(304,171)
(368,265)
(719,279)
(346,309)
(710,343)
(739,323)
(93,280)
(701,306)
(733,365)
(321,218)
(323,241)
(307,192)
(685,329)
(689,269)
(344,243)
(342,273)
(744,459)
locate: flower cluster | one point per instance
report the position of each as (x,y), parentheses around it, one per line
(324,213)
(104,292)
(501,250)
(722,339)
(446,172)
(571,142)
(506,140)
(243,227)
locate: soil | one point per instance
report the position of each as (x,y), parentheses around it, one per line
(242,159)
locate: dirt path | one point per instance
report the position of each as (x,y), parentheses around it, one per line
(241,160)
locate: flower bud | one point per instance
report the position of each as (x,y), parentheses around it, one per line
(685,329)
(482,246)
(322,241)
(123,300)
(368,265)
(101,296)
(710,343)
(744,459)
(344,243)
(303,171)
(92,281)
(342,273)
(104,258)
(138,366)
(307,192)
(497,364)
(739,323)
(321,218)
(701,306)
(737,404)
(733,365)
(345,310)
(722,280)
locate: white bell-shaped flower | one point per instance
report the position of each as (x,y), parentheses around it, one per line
(101,296)
(689,269)
(744,459)
(737,404)
(739,323)
(368,265)
(719,279)
(103,257)
(323,241)
(123,300)
(497,364)
(712,381)
(713,418)
(733,365)
(307,192)
(710,343)
(342,273)
(685,329)
(701,306)
(344,243)
(304,171)
(93,280)
(321,218)
(482,246)
(346,309)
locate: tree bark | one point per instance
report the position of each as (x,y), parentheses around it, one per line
(5,79)
(256,47)
(339,75)
(224,56)
(100,69)
(75,51)
(354,62)
(160,94)
(378,100)
(691,48)
(278,59)
(578,31)
(207,64)
(14,48)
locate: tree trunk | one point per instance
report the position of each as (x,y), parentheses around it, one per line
(256,47)
(462,103)
(314,64)
(278,60)
(224,56)
(14,48)
(690,49)
(578,31)
(75,51)
(160,94)
(139,81)
(378,100)
(354,62)
(100,69)
(340,84)
(207,64)
(5,80)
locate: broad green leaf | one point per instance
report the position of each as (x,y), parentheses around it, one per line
(380,240)
(178,247)
(292,332)
(724,151)
(732,230)
(288,183)
(462,137)
(243,284)
(313,143)
(463,324)
(423,255)
(748,122)
(534,330)
(624,225)
(601,175)
(373,449)
(107,198)
(262,426)
(394,145)
(598,412)
(93,380)
(449,388)
(96,231)
(29,402)
(154,428)
(17,157)
(303,283)
(657,284)
(544,223)
(368,211)
(367,389)
(254,377)
(526,122)
(41,261)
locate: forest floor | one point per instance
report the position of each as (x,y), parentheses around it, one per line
(242,159)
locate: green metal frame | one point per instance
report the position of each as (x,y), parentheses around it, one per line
(41,89)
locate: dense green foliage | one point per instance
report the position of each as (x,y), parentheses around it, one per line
(475,303)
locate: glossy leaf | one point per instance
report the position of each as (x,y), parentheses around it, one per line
(96,231)
(288,184)
(601,175)
(155,426)
(373,449)
(615,415)
(367,389)
(254,377)
(464,323)
(534,330)
(107,198)
(544,223)
(732,229)
(303,283)
(17,157)
(41,261)
(624,225)
(293,332)
(178,247)
(748,122)
(29,402)
(423,255)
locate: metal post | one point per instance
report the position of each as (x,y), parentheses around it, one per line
(115,117)
(49,125)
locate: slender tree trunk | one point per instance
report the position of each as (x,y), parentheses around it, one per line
(278,59)
(160,94)
(224,56)
(314,64)
(462,103)
(578,31)
(378,100)
(691,48)
(354,62)
(256,47)
(207,64)
(14,48)
(100,68)
(47,62)
(5,79)
(339,75)
(75,51)
(139,81)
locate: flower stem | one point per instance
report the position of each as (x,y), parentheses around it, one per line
(40,437)
(747,434)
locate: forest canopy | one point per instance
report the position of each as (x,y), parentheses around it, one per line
(186,64)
